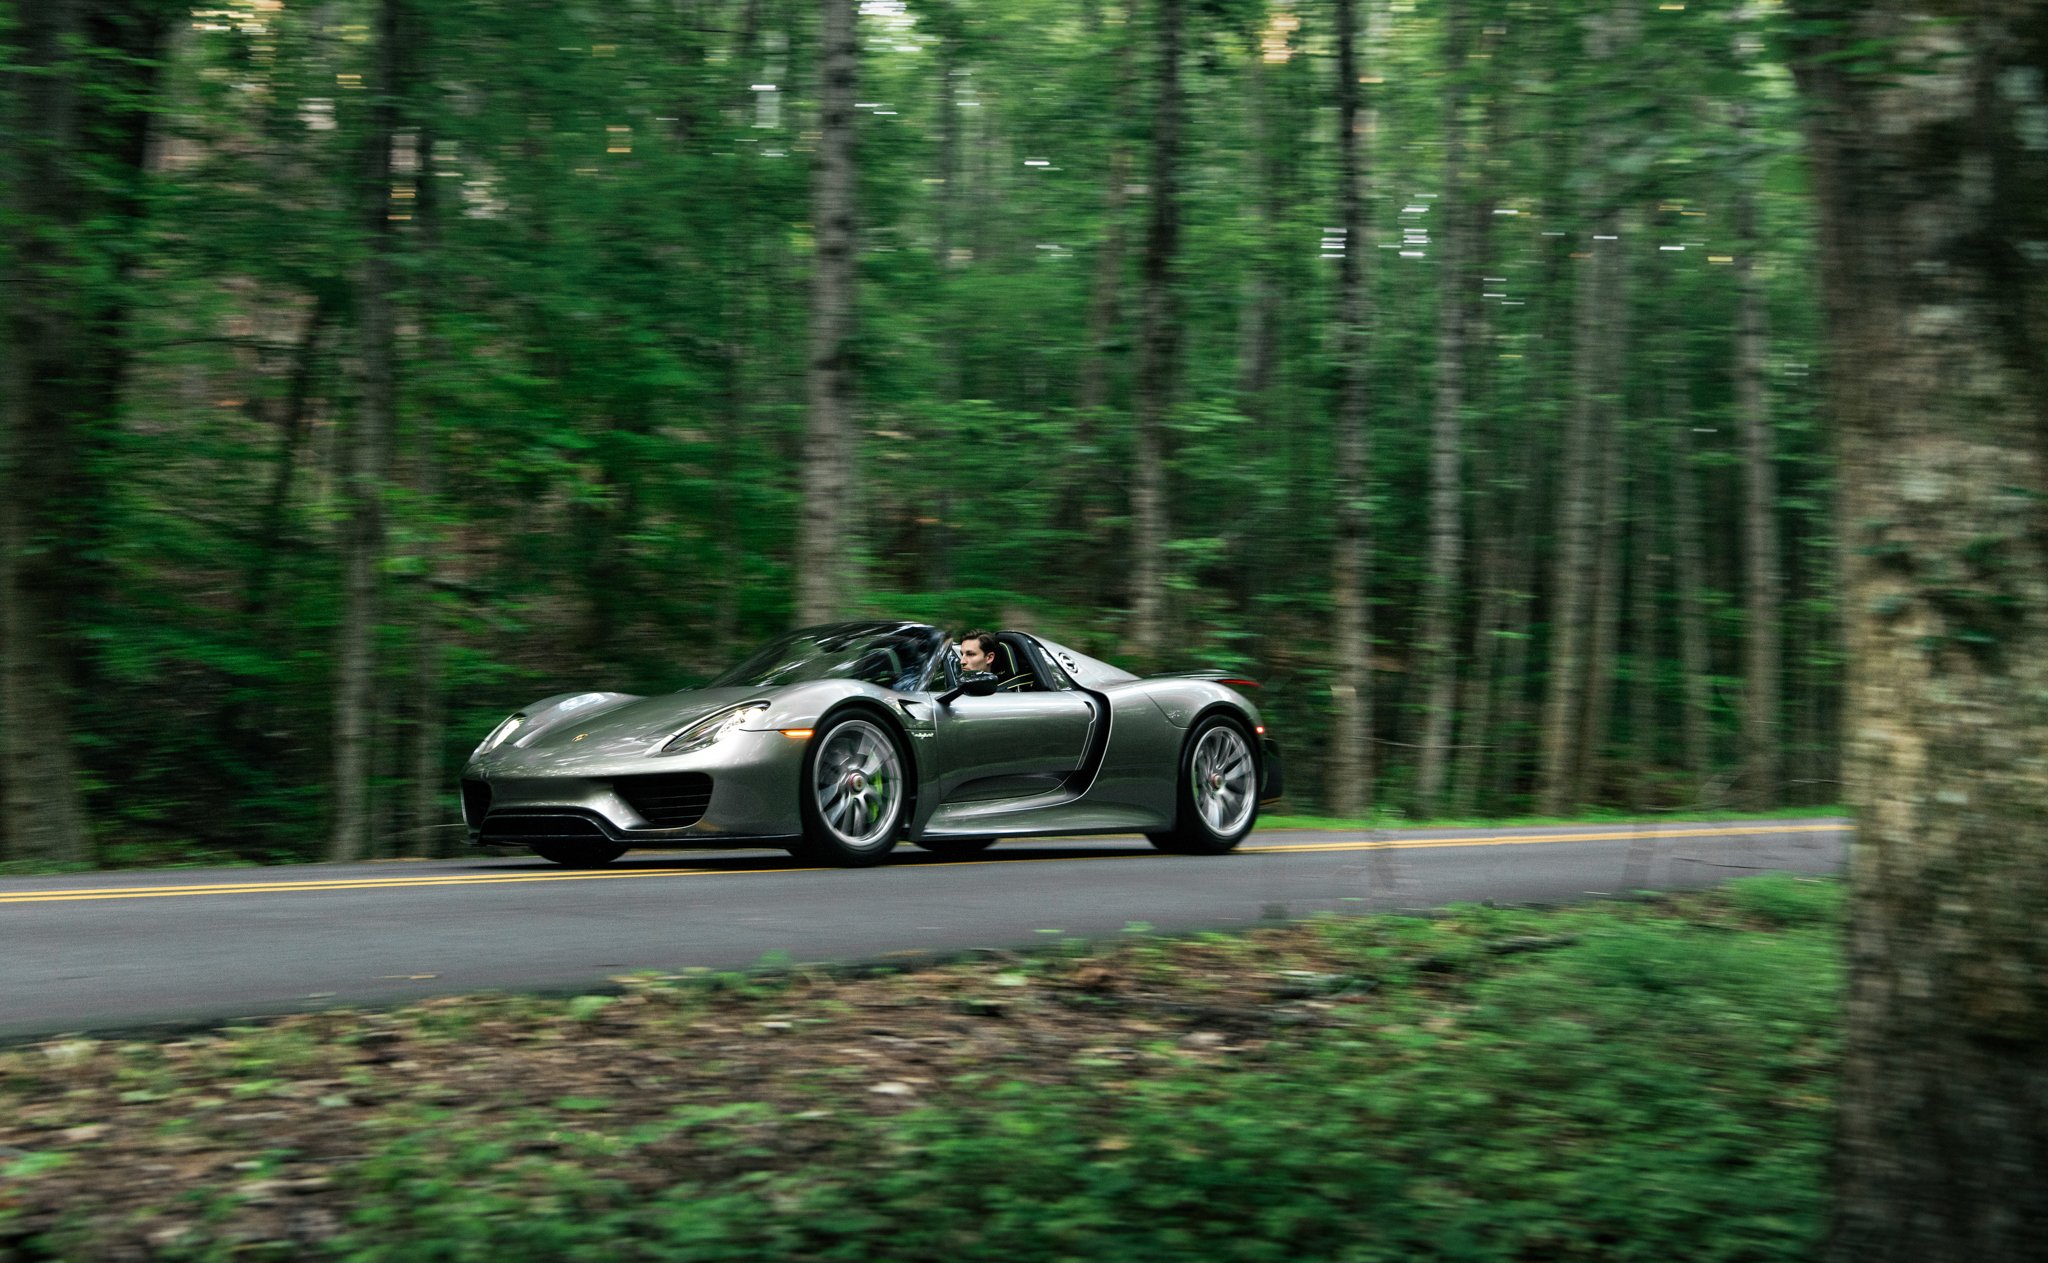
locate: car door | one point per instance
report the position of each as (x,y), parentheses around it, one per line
(1011,745)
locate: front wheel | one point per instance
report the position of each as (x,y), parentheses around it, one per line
(854,794)
(578,854)
(1217,798)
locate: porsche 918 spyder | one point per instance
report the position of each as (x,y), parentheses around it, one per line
(836,742)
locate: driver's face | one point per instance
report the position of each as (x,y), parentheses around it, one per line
(973,659)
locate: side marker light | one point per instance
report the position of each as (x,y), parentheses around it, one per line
(796,733)
(1260,729)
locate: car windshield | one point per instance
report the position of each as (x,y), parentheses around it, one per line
(892,655)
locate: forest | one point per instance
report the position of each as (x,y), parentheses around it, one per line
(1451,368)
(1599,403)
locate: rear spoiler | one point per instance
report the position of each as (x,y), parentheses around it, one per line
(1232,678)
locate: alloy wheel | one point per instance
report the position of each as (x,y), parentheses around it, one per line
(1222,770)
(857,783)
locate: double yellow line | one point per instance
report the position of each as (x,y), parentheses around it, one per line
(82,894)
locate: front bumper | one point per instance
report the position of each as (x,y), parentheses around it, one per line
(744,788)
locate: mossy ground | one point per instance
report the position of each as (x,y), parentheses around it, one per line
(1619,1081)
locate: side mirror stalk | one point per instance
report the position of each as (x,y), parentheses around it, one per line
(973,684)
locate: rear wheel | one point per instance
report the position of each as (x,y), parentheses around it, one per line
(956,846)
(854,794)
(1218,794)
(578,854)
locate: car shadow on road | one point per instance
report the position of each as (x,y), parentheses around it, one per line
(773,861)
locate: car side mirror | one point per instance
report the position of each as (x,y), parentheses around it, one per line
(972,684)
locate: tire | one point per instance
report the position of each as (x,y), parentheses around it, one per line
(578,854)
(854,792)
(1216,800)
(955,847)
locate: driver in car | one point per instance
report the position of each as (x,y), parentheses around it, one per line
(978,651)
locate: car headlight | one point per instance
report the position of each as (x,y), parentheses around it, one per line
(712,727)
(500,733)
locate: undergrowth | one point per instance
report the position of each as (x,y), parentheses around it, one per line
(1615,1082)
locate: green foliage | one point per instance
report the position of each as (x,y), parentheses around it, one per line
(602,260)
(1643,1087)
(1780,899)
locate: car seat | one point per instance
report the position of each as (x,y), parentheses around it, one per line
(1013,672)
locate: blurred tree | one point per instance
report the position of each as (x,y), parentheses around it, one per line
(1496,462)
(1158,350)
(1926,139)
(1574,582)
(1606,361)
(1763,597)
(80,84)
(366,455)
(1351,761)
(830,479)
(1456,291)
(1085,498)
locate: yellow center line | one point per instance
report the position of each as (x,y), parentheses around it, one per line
(346,883)
(500,879)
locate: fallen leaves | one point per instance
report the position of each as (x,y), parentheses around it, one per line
(305,1096)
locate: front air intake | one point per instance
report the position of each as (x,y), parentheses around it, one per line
(668,800)
(476,802)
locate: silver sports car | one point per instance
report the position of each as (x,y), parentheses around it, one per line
(834,742)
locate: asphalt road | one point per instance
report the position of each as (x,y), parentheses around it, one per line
(128,950)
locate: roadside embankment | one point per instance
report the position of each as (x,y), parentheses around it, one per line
(1618,1081)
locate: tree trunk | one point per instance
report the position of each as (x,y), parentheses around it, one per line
(1610,437)
(1520,765)
(1107,287)
(272,533)
(1158,350)
(42,809)
(1085,489)
(427,814)
(1351,763)
(70,193)
(934,533)
(1257,336)
(368,458)
(824,557)
(1645,569)
(1932,189)
(1571,590)
(1262,560)
(1499,495)
(1443,584)
(742,268)
(1687,530)
(1762,668)
(1509,757)
(1476,691)
(945,208)
(1597,717)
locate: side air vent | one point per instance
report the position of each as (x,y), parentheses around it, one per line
(524,830)
(476,800)
(670,800)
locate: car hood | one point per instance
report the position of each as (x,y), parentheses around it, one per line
(571,733)
(632,724)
